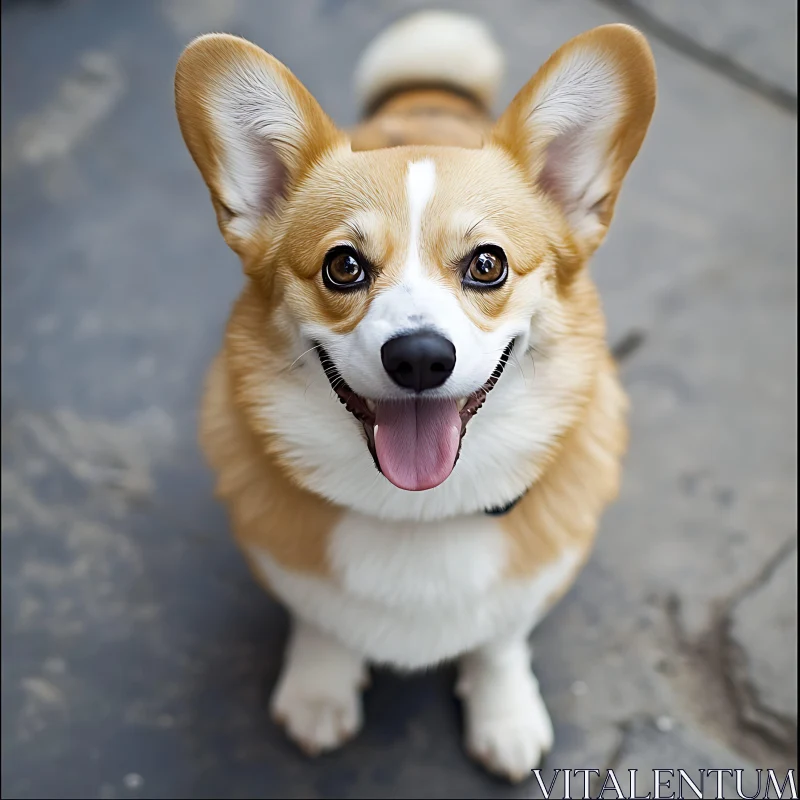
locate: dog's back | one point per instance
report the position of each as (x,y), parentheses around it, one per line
(429,79)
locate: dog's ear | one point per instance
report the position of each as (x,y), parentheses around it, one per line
(251,127)
(577,125)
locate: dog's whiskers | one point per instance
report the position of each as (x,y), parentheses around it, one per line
(377,478)
(519,367)
(313,347)
(308,386)
(529,352)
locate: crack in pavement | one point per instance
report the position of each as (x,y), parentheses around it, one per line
(615,756)
(709,681)
(717,62)
(773,726)
(765,573)
(628,345)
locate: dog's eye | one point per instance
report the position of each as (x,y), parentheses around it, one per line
(487,269)
(343,270)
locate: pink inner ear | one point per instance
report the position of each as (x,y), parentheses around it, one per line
(258,177)
(275,178)
(560,177)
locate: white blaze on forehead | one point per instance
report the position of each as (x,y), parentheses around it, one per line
(420,182)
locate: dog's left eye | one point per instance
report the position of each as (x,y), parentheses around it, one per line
(487,268)
(343,269)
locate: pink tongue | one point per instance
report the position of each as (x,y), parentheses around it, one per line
(417,441)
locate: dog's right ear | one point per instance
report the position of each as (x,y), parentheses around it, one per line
(252,129)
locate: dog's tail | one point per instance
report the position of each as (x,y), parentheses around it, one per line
(431,49)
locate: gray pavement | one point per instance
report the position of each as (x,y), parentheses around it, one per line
(138,652)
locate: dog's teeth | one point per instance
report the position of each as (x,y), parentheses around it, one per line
(375,431)
(370,405)
(462,402)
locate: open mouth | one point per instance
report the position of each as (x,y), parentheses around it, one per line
(416,442)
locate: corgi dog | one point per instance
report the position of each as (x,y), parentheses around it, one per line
(414,419)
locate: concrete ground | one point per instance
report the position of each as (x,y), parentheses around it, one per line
(138,652)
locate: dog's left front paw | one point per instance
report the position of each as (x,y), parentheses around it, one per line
(508,729)
(512,745)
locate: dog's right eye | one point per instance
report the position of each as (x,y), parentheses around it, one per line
(343,270)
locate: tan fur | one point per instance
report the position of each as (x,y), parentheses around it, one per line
(562,510)
(271,504)
(267,507)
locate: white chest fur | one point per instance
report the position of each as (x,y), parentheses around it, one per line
(414,594)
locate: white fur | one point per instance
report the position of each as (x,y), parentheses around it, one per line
(420,185)
(507,726)
(432,46)
(374,562)
(412,596)
(318,695)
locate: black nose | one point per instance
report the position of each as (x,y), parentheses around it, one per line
(419,361)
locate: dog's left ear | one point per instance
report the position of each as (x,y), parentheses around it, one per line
(577,125)
(251,127)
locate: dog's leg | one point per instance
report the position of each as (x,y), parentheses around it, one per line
(318,695)
(508,729)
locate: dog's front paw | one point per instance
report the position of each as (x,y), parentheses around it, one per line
(315,720)
(513,744)
(508,729)
(318,696)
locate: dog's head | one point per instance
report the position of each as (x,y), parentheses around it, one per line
(417,273)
